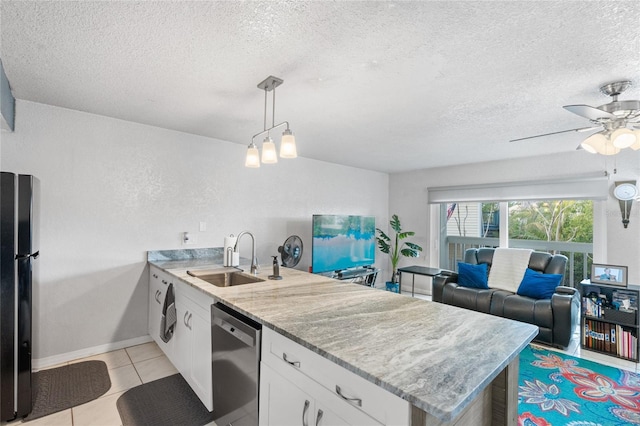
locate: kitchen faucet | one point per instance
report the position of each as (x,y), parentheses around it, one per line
(254,260)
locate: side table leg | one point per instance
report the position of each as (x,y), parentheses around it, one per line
(413,284)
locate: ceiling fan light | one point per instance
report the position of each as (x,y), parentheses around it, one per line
(269,155)
(587,147)
(623,138)
(608,149)
(636,145)
(288,145)
(253,156)
(595,143)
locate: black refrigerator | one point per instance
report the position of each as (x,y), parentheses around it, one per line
(19,220)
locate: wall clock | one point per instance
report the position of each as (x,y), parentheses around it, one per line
(625,192)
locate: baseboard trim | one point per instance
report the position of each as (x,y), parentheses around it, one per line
(40,363)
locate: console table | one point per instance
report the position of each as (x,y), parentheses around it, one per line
(418,270)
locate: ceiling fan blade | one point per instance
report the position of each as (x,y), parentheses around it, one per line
(581,129)
(589,112)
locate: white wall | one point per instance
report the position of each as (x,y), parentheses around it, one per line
(612,243)
(111,190)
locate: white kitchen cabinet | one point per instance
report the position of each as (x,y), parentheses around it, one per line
(281,402)
(158,284)
(336,396)
(189,350)
(285,403)
(192,353)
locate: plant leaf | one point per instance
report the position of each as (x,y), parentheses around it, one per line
(383,235)
(410,252)
(403,235)
(414,246)
(384,247)
(395,223)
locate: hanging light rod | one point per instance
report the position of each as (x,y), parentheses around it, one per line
(288,142)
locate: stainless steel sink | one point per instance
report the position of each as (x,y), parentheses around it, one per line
(224,279)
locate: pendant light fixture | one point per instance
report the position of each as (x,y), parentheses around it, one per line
(288,142)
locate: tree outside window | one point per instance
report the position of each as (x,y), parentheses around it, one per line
(569,221)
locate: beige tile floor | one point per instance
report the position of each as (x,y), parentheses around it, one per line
(127,368)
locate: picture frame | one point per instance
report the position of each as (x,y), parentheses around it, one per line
(614,275)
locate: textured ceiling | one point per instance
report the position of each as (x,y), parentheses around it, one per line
(388,86)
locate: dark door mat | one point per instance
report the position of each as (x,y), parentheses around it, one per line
(163,402)
(60,388)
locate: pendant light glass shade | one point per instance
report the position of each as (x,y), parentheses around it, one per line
(269,154)
(288,145)
(253,156)
(623,138)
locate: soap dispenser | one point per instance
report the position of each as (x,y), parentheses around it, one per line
(276,270)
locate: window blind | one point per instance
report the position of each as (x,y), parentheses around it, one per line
(568,188)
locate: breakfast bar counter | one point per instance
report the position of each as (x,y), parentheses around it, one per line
(448,363)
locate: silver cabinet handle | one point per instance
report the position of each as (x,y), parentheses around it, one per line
(164,282)
(189,321)
(304,413)
(294,363)
(155,275)
(184,319)
(319,417)
(158,294)
(355,401)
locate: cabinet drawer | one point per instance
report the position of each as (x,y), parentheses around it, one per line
(198,297)
(184,298)
(378,403)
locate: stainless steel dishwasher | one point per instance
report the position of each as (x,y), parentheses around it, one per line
(235,353)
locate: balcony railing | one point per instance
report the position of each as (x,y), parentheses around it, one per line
(580,255)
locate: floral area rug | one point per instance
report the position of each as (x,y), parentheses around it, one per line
(560,390)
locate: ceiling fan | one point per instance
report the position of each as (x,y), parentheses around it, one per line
(618,123)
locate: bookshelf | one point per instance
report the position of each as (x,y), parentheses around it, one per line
(609,321)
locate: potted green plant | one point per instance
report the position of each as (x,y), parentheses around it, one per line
(396,247)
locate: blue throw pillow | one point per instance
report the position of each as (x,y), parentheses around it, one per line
(473,276)
(538,285)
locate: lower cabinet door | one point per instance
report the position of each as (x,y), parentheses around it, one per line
(323,416)
(305,403)
(200,377)
(182,336)
(281,402)
(192,354)
(158,285)
(156,294)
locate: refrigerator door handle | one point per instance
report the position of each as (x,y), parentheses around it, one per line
(26,256)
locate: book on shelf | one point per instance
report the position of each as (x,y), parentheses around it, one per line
(611,338)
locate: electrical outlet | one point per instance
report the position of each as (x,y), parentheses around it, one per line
(188,238)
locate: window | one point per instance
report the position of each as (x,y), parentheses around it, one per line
(555,226)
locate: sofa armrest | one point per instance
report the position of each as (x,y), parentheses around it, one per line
(439,281)
(561,289)
(565,304)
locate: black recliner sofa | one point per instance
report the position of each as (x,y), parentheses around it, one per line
(556,318)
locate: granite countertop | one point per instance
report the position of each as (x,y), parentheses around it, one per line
(437,357)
